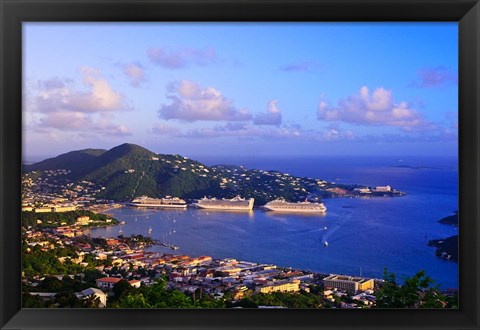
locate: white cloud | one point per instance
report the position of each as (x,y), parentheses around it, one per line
(56,104)
(81,122)
(335,133)
(377,108)
(191,102)
(242,130)
(55,95)
(182,58)
(435,77)
(135,73)
(273,116)
(162,129)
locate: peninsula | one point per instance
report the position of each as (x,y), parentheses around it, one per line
(447,248)
(93,176)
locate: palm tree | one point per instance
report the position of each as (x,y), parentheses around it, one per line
(91,301)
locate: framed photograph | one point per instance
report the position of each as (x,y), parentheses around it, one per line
(272,164)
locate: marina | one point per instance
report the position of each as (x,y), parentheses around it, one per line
(353,229)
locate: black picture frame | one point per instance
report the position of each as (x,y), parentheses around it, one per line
(14,12)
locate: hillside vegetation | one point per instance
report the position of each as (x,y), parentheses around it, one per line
(129,171)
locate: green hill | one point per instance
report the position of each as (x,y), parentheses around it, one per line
(79,162)
(446,248)
(129,171)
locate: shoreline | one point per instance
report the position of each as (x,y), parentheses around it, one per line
(159,246)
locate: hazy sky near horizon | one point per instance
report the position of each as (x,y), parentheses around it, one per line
(241,88)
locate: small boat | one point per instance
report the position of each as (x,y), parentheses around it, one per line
(325,228)
(326,243)
(150,231)
(122,222)
(120,232)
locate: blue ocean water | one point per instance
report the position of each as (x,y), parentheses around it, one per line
(365,235)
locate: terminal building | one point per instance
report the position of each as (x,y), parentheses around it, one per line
(349,283)
(279,286)
(51,208)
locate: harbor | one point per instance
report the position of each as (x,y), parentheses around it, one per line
(298,240)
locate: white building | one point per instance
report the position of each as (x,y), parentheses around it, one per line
(107,283)
(93,292)
(362,190)
(344,282)
(383,188)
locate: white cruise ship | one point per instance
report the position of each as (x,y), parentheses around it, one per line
(280,205)
(167,202)
(236,203)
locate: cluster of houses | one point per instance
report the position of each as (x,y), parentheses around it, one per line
(52,191)
(213,277)
(265,183)
(179,163)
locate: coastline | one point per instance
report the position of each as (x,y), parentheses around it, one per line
(447,248)
(245,235)
(298,239)
(239,283)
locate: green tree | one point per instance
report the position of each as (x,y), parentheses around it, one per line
(134,301)
(92,274)
(68,300)
(418,291)
(301,299)
(29,301)
(51,284)
(121,287)
(91,301)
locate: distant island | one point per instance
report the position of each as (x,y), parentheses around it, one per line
(129,171)
(447,248)
(414,167)
(450,220)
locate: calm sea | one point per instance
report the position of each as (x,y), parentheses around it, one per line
(365,235)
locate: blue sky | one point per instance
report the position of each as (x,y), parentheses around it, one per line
(242,88)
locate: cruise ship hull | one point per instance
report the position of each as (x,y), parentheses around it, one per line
(234,204)
(163,206)
(280,205)
(294,210)
(226,207)
(163,203)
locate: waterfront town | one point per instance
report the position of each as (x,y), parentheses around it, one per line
(43,190)
(114,259)
(118,258)
(60,261)
(165,166)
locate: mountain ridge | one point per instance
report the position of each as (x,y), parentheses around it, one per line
(67,160)
(129,170)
